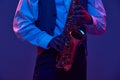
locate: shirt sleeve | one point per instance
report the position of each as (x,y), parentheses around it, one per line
(24,24)
(97,11)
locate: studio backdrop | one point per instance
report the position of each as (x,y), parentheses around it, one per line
(17,59)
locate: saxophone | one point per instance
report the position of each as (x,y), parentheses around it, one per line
(73,30)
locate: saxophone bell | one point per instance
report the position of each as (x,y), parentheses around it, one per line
(78,34)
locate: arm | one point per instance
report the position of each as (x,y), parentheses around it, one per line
(24,24)
(97,11)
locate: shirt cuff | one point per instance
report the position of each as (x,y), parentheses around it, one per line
(45,41)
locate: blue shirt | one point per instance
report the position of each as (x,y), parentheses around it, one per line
(26,14)
(62,7)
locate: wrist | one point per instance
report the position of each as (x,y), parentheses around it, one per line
(90,21)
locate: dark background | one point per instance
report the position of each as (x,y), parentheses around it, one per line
(17,59)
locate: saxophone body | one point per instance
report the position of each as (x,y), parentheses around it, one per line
(73,30)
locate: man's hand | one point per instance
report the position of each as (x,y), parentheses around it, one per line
(80,14)
(58,43)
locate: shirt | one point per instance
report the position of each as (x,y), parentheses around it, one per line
(27,13)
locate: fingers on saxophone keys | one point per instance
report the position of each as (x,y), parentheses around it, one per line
(78,12)
(79,7)
(67,44)
(59,47)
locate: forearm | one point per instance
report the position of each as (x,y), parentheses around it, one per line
(96,10)
(31,34)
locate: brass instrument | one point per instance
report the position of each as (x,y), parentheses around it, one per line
(76,34)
